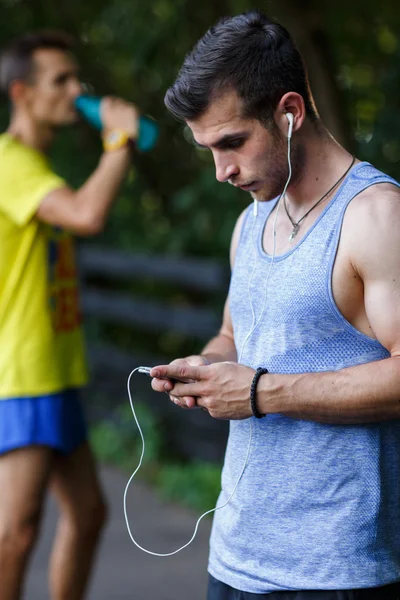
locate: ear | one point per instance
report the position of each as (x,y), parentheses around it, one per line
(290,103)
(17,91)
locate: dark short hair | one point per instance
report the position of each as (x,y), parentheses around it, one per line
(16,60)
(250,54)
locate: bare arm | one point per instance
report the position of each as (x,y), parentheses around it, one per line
(363,394)
(222,347)
(84,211)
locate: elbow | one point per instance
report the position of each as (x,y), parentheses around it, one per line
(90,226)
(93,228)
(88,219)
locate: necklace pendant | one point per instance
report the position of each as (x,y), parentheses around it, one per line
(294,233)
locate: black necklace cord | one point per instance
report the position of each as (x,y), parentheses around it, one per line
(297,224)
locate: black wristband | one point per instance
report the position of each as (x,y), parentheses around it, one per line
(260,371)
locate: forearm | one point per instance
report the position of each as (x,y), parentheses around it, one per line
(220,348)
(362,394)
(94,199)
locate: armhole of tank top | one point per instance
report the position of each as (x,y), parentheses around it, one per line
(332,260)
(241,232)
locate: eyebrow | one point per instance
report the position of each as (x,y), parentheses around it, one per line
(64,75)
(225,140)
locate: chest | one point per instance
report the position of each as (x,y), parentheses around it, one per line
(310,276)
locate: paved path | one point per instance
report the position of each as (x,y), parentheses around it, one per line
(123,571)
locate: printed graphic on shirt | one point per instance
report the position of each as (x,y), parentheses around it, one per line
(63,286)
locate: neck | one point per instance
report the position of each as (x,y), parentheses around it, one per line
(318,162)
(30,132)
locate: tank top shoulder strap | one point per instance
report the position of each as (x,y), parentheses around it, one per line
(363,176)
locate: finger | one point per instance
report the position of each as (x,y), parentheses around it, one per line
(178,401)
(168,385)
(181,371)
(189,401)
(187,389)
(162,385)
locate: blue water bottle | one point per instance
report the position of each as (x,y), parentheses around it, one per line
(90,109)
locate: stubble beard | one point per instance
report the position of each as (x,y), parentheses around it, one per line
(278,174)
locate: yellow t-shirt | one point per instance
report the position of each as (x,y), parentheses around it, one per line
(41,342)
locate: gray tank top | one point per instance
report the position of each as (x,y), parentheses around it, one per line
(318,506)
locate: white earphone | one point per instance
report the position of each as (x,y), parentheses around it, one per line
(290,119)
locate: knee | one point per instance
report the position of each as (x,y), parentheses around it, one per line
(18,536)
(97,516)
(88,520)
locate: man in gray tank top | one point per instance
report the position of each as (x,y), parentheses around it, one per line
(306,365)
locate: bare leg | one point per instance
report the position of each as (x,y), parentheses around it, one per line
(83,514)
(24,474)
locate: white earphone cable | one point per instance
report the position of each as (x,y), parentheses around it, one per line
(137,469)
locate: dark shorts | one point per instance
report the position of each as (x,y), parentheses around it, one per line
(221,591)
(56,420)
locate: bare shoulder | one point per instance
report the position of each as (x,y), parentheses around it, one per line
(372,225)
(379,202)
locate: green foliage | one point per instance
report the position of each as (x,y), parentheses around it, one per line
(196,484)
(366,49)
(117,442)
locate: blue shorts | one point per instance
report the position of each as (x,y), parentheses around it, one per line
(55,420)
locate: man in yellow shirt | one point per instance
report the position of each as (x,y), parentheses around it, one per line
(43,437)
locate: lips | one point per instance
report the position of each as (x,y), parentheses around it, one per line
(250,187)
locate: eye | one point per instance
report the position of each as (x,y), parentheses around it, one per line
(234,144)
(61,80)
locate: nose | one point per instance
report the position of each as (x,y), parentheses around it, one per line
(76,88)
(224,170)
